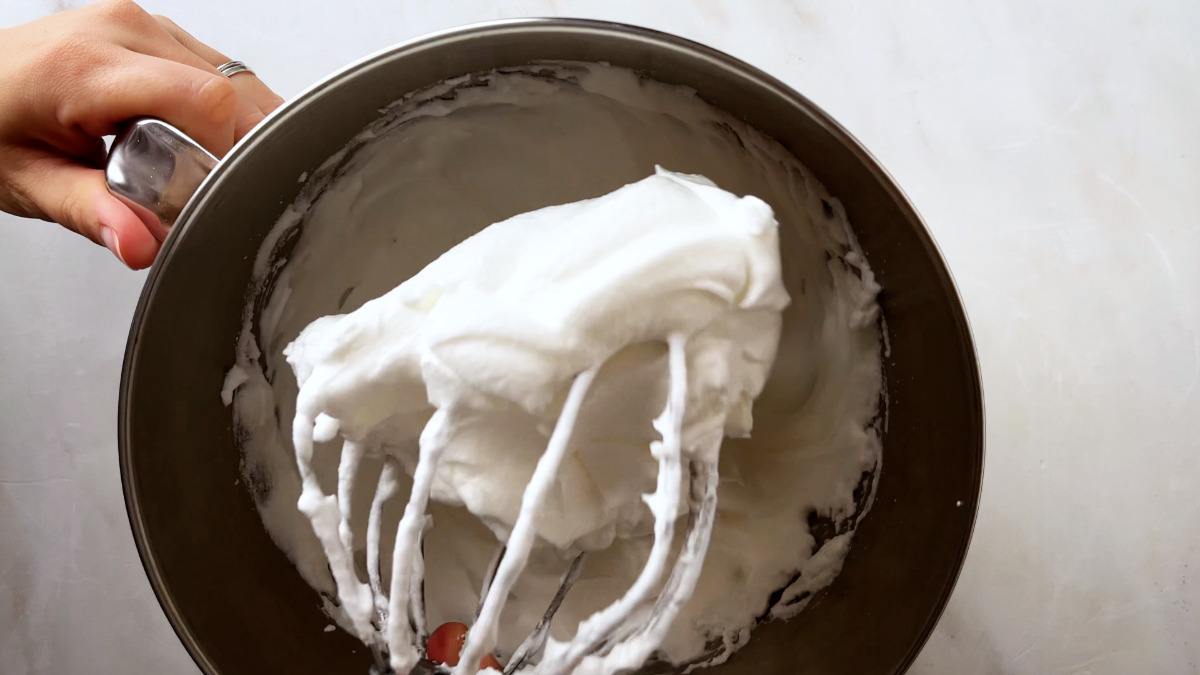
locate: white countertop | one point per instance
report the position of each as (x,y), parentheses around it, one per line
(1054,150)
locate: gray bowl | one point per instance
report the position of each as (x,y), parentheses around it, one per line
(232,596)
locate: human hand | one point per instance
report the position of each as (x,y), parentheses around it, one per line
(69,79)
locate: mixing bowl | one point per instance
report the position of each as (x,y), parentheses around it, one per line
(234,599)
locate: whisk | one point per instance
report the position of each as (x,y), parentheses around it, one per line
(618,638)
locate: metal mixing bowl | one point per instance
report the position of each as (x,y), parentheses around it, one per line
(232,596)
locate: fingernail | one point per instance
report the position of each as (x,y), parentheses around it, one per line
(110,240)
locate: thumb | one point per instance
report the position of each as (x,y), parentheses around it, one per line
(121,231)
(77,196)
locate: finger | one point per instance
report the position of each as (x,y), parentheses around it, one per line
(200,103)
(139,32)
(161,43)
(77,197)
(257,99)
(256,90)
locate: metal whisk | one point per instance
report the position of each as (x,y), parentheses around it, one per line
(618,638)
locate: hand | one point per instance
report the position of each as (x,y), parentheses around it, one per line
(70,79)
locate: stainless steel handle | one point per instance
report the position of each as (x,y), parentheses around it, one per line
(155,169)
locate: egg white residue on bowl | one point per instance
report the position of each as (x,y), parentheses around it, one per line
(448,161)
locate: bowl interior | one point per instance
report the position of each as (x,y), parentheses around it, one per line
(233,597)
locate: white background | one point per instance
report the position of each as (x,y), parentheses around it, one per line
(1054,149)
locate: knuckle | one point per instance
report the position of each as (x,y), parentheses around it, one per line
(15,199)
(249,119)
(122,10)
(217,97)
(246,122)
(165,21)
(72,213)
(61,68)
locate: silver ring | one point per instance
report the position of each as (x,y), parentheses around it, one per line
(233,68)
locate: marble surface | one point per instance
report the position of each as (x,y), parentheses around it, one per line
(1053,148)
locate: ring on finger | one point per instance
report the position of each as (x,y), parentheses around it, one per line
(232,68)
